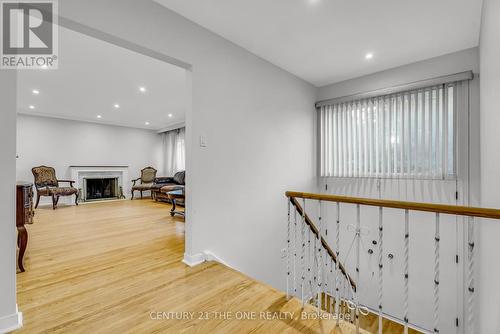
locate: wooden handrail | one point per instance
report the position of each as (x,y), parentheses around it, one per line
(314,229)
(439,208)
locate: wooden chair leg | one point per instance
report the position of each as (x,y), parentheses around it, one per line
(22,241)
(141,194)
(132,195)
(53,202)
(37,200)
(76,198)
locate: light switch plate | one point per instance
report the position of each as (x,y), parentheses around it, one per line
(203,141)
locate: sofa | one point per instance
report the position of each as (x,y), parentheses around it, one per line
(162,185)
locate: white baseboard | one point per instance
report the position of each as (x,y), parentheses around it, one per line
(11,322)
(193,260)
(210,256)
(196,259)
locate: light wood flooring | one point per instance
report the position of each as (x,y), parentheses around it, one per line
(113,267)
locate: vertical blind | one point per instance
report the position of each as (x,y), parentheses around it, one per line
(403,135)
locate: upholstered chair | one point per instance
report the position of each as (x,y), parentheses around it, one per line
(47,184)
(147,178)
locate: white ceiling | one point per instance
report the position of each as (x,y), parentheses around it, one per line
(94,75)
(325,41)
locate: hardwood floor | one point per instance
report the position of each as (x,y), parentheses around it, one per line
(116,268)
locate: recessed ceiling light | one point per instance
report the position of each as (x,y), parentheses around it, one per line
(170,115)
(116,105)
(147,123)
(99,116)
(369,55)
(36,91)
(31,107)
(142,89)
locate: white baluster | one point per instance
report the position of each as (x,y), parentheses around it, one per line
(302,239)
(358,252)
(295,252)
(319,255)
(310,260)
(380,267)
(332,293)
(288,254)
(328,271)
(470,276)
(436,275)
(406,268)
(337,265)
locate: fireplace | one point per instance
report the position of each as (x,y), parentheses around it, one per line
(102,188)
(82,173)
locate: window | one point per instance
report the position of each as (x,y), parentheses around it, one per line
(403,135)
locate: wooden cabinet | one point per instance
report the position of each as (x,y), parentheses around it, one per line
(24,215)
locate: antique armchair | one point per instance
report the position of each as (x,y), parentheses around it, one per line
(148,175)
(47,184)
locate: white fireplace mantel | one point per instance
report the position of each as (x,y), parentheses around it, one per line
(79,172)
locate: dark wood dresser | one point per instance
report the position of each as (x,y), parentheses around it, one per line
(24,215)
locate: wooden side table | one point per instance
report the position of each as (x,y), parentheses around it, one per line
(24,215)
(174,196)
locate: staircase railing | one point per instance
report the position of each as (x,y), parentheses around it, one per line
(324,244)
(315,267)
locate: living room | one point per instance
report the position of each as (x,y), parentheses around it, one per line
(134,119)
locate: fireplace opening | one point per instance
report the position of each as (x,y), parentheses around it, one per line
(97,189)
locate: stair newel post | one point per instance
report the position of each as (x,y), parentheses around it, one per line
(470,275)
(406,269)
(436,274)
(358,253)
(337,265)
(380,266)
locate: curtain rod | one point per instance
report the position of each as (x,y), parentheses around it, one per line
(172,127)
(467,75)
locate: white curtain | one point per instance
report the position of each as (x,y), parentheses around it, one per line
(174,151)
(409,135)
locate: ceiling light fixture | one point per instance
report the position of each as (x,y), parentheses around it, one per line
(369,56)
(36,91)
(31,107)
(99,116)
(170,115)
(142,89)
(147,123)
(116,105)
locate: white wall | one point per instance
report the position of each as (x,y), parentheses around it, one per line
(488,286)
(8,232)
(60,143)
(259,122)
